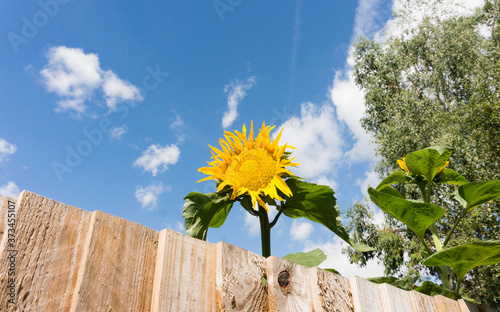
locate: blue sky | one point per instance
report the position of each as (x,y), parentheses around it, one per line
(111,106)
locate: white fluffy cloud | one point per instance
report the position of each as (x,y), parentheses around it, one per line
(350,107)
(237,91)
(117,90)
(74,76)
(156,158)
(300,230)
(340,262)
(345,95)
(318,140)
(6,149)
(10,189)
(371,179)
(116,134)
(148,196)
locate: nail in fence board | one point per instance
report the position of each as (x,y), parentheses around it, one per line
(50,238)
(239,280)
(118,269)
(184,275)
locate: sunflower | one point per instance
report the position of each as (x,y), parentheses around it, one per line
(402,165)
(248,166)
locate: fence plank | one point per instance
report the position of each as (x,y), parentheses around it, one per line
(421,302)
(69,259)
(184,274)
(289,286)
(239,279)
(331,292)
(394,299)
(444,304)
(118,269)
(365,294)
(466,306)
(49,247)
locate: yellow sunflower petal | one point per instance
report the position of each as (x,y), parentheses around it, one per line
(250,164)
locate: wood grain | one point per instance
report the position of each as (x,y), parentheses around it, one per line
(68,259)
(330,292)
(444,304)
(239,275)
(366,296)
(49,248)
(118,269)
(184,274)
(466,306)
(294,293)
(421,302)
(394,299)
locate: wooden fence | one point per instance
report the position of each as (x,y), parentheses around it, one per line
(61,258)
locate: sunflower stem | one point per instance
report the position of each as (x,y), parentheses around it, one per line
(273,223)
(265,232)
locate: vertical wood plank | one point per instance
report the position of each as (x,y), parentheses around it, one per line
(366,296)
(184,274)
(289,286)
(444,304)
(466,306)
(239,280)
(421,302)
(118,269)
(394,299)
(331,292)
(49,244)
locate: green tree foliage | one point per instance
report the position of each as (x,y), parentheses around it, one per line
(437,84)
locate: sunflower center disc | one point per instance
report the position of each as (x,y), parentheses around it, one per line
(254,170)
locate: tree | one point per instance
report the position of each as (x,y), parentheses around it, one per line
(437,84)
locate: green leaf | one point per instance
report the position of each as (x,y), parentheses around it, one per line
(393,178)
(418,216)
(391,191)
(202,211)
(458,198)
(478,193)
(465,257)
(427,162)
(450,177)
(446,151)
(317,203)
(333,271)
(308,259)
(432,289)
(391,280)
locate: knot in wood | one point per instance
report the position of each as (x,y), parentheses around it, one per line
(283,279)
